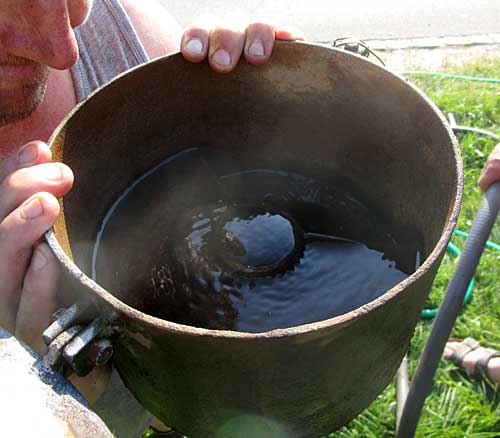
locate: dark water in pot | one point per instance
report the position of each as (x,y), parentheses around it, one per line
(201,242)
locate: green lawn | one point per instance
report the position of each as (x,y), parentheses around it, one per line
(456,408)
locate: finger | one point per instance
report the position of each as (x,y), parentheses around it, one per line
(194,42)
(54,178)
(19,232)
(225,46)
(288,33)
(259,42)
(35,152)
(491,171)
(448,351)
(489,176)
(38,298)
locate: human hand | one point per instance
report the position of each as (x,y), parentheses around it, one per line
(29,186)
(224,44)
(491,170)
(28,207)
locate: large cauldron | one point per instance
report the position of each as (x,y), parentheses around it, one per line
(313,110)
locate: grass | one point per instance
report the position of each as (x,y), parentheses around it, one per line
(456,407)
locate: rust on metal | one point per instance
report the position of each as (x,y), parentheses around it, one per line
(311,109)
(53,358)
(100,352)
(81,355)
(64,318)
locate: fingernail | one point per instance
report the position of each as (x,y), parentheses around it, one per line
(256,48)
(194,46)
(222,57)
(53,172)
(32,209)
(39,260)
(28,154)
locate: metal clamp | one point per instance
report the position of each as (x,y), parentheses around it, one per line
(74,346)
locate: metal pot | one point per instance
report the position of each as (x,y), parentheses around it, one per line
(311,109)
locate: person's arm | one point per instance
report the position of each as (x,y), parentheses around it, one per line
(158,31)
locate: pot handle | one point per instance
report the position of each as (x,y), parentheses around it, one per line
(76,347)
(356,46)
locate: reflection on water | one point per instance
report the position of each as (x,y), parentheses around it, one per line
(197,243)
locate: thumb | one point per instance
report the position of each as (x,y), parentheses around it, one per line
(38,298)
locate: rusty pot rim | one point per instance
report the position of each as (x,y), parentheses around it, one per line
(120,308)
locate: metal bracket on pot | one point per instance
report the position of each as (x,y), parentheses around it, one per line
(357,46)
(76,347)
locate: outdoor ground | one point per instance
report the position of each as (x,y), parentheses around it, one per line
(456,408)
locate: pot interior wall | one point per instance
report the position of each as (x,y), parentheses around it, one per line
(311,110)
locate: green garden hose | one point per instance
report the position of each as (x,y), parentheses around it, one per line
(455,252)
(453,249)
(451,75)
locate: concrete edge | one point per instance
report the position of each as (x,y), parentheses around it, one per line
(433,42)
